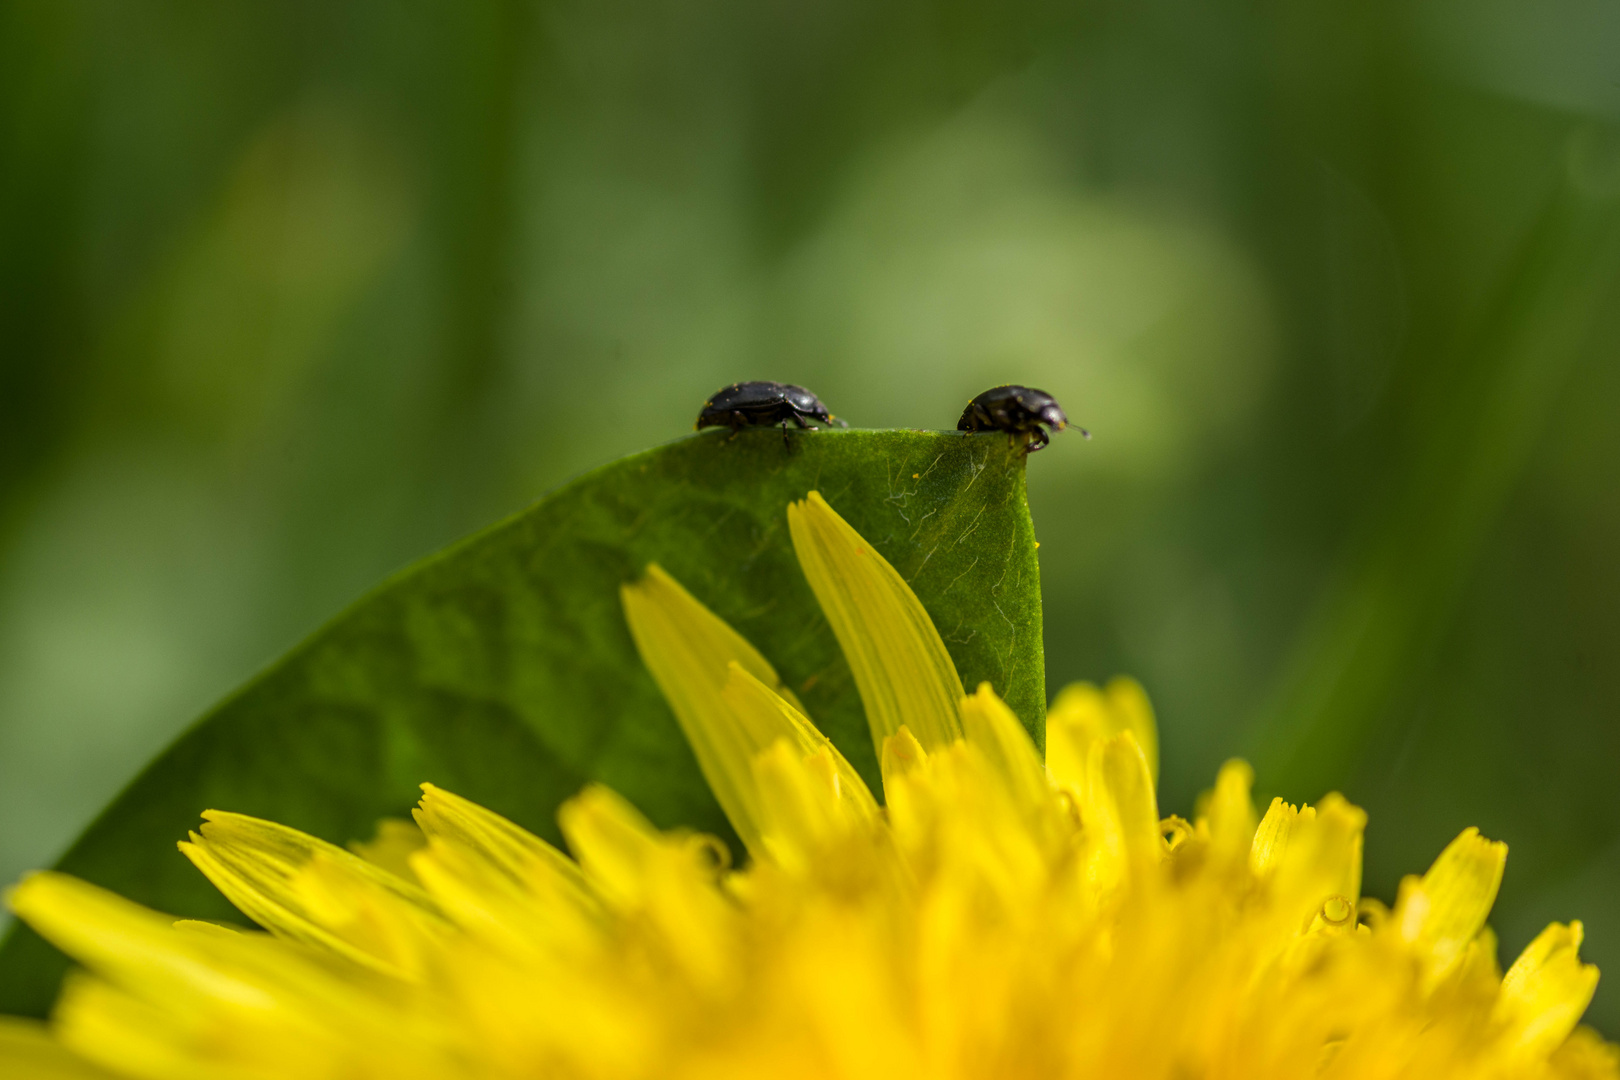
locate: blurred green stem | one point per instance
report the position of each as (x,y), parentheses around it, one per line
(1383,614)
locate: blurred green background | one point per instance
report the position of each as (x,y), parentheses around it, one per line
(292,293)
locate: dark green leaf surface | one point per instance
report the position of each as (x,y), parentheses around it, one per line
(502,668)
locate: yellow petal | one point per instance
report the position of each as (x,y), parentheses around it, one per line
(110,934)
(692,634)
(901,754)
(204,928)
(1342,828)
(612,841)
(1585,1055)
(767,718)
(1440,913)
(805,805)
(691,653)
(901,667)
(127,1032)
(1546,990)
(140,1035)
(1119,811)
(538,911)
(497,880)
(1272,836)
(1310,859)
(1066,748)
(666,879)
(1094,750)
(307,890)
(993,728)
(28,1051)
(1088,714)
(1231,814)
(502,845)
(392,846)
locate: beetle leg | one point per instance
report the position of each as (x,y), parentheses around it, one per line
(1037,439)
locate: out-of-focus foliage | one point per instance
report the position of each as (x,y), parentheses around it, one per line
(293,292)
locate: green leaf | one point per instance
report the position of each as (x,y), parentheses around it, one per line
(502,668)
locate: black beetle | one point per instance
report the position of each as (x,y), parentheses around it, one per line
(764,404)
(1017,410)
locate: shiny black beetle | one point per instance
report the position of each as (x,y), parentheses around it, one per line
(1019,411)
(764,404)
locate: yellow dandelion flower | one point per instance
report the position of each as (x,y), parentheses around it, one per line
(995,916)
